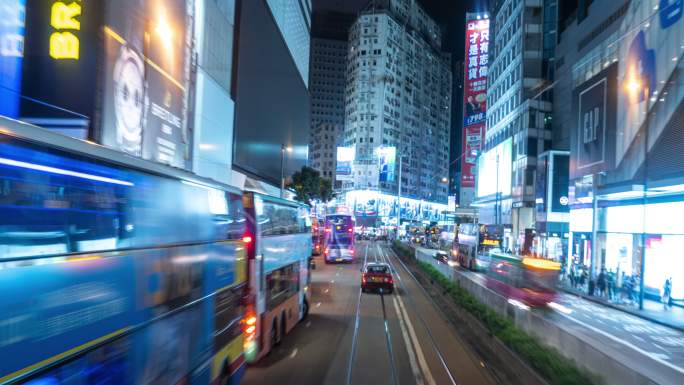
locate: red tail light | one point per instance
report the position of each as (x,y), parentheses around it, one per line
(363,278)
(349,230)
(247,239)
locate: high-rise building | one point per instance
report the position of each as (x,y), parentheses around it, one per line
(518,125)
(328,70)
(398,101)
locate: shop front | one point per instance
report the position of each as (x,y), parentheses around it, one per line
(642,245)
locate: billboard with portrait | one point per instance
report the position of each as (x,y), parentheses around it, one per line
(145,80)
(345,160)
(476,67)
(387,157)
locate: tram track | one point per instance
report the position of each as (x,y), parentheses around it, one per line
(385,326)
(400,307)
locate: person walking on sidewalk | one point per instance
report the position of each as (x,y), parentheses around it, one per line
(667,294)
(601,282)
(611,285)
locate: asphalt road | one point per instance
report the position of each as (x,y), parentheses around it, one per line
(354,338)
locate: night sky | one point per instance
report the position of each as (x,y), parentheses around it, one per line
(449,13)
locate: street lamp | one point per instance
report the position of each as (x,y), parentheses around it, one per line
(283,150)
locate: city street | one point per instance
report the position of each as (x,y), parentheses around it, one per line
(658,350)
(354,338)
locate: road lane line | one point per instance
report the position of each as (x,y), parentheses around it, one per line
(626,343)
(294,353)
(419,351)
(408,343)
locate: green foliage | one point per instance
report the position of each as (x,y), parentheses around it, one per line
(547,361)
(308,185)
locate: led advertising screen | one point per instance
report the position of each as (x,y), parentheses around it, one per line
(476,67)
(345,160)
(494,170)
(12,14)
(145,80)
(387,156)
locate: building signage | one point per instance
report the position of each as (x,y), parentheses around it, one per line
(345,160)
(64,19)
(12,21)
(594,110)
(591,121)
(146,72)
(387,157)
(476,67)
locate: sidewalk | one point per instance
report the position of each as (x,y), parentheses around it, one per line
(653,311)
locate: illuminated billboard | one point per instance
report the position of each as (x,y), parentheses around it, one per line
(345,160)
(145,78)
(494,170)
(476,67)
(387,157)
(12,31)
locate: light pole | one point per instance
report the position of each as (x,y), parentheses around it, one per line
(283,149)
(637,89)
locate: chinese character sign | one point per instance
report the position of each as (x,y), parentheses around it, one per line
(476,68)
(474,96)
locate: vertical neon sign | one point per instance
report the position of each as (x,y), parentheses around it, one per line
(64,42)
(12,21)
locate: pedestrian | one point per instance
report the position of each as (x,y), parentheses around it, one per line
(611,285)
(601,282)
(667,294)
(572,276)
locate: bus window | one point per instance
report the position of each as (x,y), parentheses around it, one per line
(282,284)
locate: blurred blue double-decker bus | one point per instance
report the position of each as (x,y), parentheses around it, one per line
(115,270)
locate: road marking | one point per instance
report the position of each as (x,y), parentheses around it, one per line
(326,290)
(308,324)
(419,351)
(654,356)
(482,364)
(294,353)
(409,347)
(318,304)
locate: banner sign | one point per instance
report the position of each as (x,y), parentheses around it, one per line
(345,159)
(12,14)
(476,67)
(472,143)
(387,157)
(146,72)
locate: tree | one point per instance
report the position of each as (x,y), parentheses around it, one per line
(308,185)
